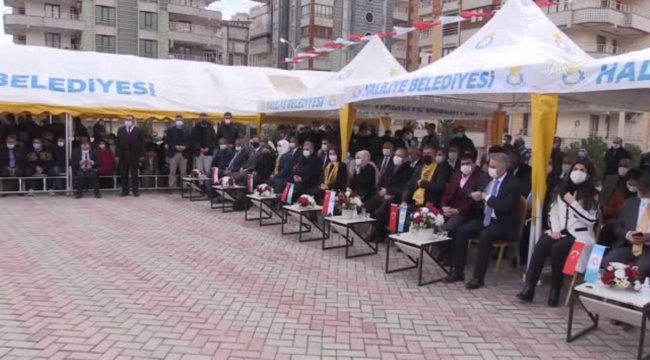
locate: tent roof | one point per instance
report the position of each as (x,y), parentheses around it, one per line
(41,79)
(373,63)
(518,51)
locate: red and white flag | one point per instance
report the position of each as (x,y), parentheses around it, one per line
(249,183)
(287,194)
(573,258)
(392,222)
(399,31)
(214,175)
(329,200)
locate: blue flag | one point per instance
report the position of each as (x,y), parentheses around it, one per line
(402,219)
(593,266)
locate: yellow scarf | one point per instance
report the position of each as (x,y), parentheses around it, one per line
(427,174)
(331,171)
(277,163)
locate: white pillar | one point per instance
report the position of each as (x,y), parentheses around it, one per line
(621,125)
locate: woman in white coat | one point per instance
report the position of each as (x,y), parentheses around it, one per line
(572,216)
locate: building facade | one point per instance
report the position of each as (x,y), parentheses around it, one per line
(600,27)
(179,29)
(312,23)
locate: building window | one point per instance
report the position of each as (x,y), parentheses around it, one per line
(323,11)
(148,20)
(52,10)
(370,17)
(105,43)
(74,13)
(448,50)
(183,50)
(525,124)
(149,48)
(594,121)
(53,40)
(450,29)
(105,15)
(601,43)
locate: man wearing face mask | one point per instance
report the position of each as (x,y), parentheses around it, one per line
(39,161)
(461,141)
(178,150)
(238,160)
(557,155)
(105,165)
(58,164)
(385,161)
(223,157)
(452,157)
(204,140)
(615,182)
(307,173)
(499,220)
(427,182)
(295,150)
(633,231)
(130,154)
(227,129)
(323,153)
(521,171)
(84,168)
(431,138)
(613,155)
(612,205)
(12,162)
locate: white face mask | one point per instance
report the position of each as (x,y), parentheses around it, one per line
(440,159)
(358,162)
(466,169)
(324,147)
(237,148)
(306,153)
(102,146)
(566,168)
(453,156)
(128,123)
(622,171)
(223,146)
(631,188)
(179,123)
(645,202)
(398,160)
(227,121)
(61,144)
(616,146)
(386,152)
(493,173)
(578,177)
(11,146)
(334,158)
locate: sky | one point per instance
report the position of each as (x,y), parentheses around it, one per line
(227,7)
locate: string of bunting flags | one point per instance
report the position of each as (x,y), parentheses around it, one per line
(355,39)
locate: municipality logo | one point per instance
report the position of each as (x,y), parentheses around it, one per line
(515,78)
(394,71)
(573,76)
(560,43)
(356,91)
(487,40)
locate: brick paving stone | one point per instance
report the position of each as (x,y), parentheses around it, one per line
(161,278)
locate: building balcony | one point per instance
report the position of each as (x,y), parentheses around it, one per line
(601,15)
(426,38)
(204,58)
(602,50)
(257,48)
(426,8)
(259,30)
(401,13)
(473,4)
(450,5)
(15,22)
(399,52)
(193,8)
(195,34)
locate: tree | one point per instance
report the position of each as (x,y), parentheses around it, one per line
(596,148)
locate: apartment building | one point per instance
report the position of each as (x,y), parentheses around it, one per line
(600,27)
(312,23)
(179,29)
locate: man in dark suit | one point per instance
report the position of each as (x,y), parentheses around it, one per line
(223,156)
(130,152)
(432,185)
(307,173)
(613,155)
(323,153)
(614,181)
(385,161)
(13,160)
(238,159)
(500,220)
(522,171)
(227,130)
(295,149)
(431,138)
(178,150)
(633,231)
(84,169)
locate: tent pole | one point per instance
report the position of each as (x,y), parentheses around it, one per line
(68,143)
(544,118)
(347,117)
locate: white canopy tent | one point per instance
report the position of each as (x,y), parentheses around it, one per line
(41,79)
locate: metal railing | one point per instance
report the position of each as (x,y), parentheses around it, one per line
(605,49)
(572,5)
(105,20)
(53,44)
(106,49)
(191,57)
(190,3)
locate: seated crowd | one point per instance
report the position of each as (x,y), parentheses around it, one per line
(482,200)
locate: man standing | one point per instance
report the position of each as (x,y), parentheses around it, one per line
(130,153)
(84,168)
(12,162)
(615,153)
(227,129)
(204,140)
(500,220)
(178,151)
(431,139)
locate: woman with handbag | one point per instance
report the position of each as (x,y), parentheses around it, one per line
(572,216)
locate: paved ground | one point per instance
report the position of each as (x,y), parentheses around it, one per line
(161,278)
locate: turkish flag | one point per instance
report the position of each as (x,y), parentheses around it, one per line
(573,258)
(326,202)
(285,193)
(544,3)
(422,25)
(355,37)
(392,222)
(476,14)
